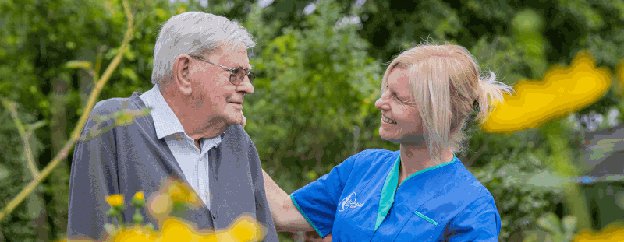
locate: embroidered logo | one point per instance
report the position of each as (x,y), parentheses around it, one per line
(349,202)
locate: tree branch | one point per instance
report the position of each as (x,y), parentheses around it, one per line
(30,160)
(62,154)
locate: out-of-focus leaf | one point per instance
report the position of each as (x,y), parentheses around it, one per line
(547,180)
(4,172)
(78,65)
(550,223)
(619,199)
(569,227)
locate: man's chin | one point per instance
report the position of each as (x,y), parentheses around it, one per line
(237,120)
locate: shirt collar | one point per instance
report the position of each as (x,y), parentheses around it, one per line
(391,184)
(165,121)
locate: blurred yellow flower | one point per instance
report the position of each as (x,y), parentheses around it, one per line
(139,196)
(609,233)
(182,193)
(159,206)
(172,193)
(115,200)
(161,203)
(174,229)
(562,91)
(138,200)
(135,234)
(246,228)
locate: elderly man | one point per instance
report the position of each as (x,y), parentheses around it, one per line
(193,133)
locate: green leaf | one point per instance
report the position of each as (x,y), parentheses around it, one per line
(110,228)
(619,199)
(569,227)
(36,125)
(550,223)
(4,172)
(124,118)
(78,65)
(547,180)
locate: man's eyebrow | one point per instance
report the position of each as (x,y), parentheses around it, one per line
(242,67)
(235,66)
(404,97)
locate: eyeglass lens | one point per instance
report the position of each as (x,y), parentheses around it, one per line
(238,75)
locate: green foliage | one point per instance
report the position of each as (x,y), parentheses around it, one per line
(317,86)
(318,80)
(552,229)
(519,203)
(23,225)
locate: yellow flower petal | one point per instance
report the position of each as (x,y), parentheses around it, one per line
(139,196)
(115,200)
(614,232)
(225,236)
(159,206)
(134,234)
(246,228)
(180,192)
(174,230)
(209,238)
(562,91)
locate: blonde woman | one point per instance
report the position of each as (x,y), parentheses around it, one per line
(422,192)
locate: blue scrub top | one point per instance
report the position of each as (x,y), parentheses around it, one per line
(359,201)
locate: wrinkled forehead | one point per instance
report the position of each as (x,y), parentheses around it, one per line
(234,55)
(232,47)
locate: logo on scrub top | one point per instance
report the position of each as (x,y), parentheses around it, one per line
(349,202)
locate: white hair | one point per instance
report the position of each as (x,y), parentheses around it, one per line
(194,33)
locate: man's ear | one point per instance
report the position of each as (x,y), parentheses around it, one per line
(181,74)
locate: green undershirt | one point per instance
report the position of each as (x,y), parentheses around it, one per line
(391,185)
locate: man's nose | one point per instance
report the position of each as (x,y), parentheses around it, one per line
(245,87)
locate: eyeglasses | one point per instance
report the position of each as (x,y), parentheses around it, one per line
(237,75)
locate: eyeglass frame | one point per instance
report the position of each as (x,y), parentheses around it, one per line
(232,70)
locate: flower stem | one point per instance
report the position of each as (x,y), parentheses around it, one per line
(561,163)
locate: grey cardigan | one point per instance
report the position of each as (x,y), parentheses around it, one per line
(130,158)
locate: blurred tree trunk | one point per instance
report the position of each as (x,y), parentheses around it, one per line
(59,179)
(36,204)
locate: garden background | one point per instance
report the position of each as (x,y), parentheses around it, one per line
(553,172)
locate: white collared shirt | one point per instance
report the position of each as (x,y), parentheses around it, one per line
(192,161)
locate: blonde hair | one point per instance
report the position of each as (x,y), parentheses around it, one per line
(446,84)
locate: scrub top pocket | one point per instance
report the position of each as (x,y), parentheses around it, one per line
(420,227)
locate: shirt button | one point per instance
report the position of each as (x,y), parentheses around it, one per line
(214,216)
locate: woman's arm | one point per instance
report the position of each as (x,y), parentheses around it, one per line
(285,215)
(312,207)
